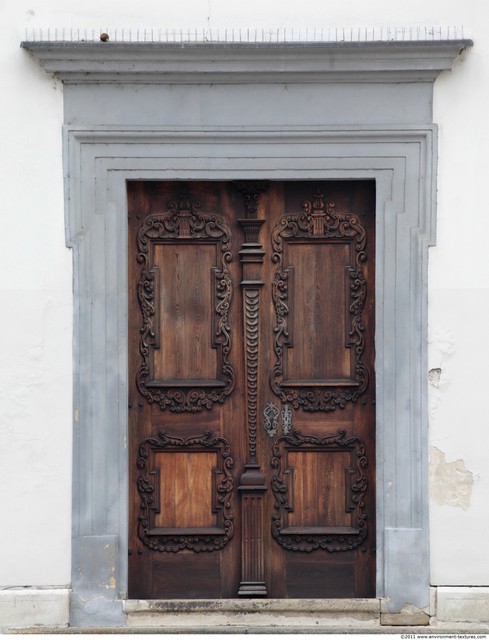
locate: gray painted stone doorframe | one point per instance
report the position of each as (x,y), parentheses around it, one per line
(396,160)
(108,141)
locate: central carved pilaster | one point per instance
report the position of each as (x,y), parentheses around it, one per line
(252,481)
(252,307)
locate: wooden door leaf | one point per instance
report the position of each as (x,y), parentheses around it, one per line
(319,291)
(251,401)
(185,281)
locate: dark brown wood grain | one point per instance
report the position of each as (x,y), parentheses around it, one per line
(210,264)
(187,489)
(318,302)
(318,489)
(185,312)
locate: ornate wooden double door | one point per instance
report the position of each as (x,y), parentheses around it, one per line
(252,390)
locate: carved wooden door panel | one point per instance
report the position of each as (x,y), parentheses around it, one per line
(252,392)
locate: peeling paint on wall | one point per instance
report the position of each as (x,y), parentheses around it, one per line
(450,482)
(434,376)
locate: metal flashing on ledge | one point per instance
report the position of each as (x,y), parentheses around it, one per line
(231,62)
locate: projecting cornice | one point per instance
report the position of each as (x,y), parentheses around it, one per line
(242,63)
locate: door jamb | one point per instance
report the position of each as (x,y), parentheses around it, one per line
(98,162)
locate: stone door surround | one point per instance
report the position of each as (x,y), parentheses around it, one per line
(209,111)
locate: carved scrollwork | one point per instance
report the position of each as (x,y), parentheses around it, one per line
(320,222)
(343,540)
(184,220)
(148,493)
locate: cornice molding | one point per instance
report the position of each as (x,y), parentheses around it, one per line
(246,63)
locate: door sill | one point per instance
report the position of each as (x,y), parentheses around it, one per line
(250,614)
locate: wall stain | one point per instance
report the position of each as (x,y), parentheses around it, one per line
(451,483)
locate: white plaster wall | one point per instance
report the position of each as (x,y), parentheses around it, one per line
(35,273)
(459,307)
(35,321)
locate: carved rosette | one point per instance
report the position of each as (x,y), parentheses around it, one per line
(148,494)
(330,541)
(184,221)
(319,222)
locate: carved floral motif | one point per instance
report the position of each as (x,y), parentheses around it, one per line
(184,220)
(319,222)
(330,541)
(148,493)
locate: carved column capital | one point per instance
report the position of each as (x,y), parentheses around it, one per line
(251,190)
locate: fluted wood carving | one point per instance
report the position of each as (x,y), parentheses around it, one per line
(252,301)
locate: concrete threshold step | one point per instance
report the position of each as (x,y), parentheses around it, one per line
(254,614)
(452,630)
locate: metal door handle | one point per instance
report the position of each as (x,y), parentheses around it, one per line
(271,414)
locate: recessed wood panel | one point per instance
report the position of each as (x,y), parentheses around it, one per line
(319,292)
(185,309)
(186,575)
(319,313)
(184,292)
(320,485)
(186,489)
(318,490)
(316,576)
